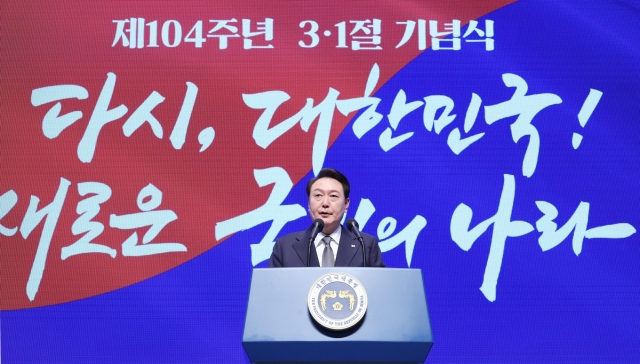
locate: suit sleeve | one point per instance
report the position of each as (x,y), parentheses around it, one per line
(375,255)
(276,255)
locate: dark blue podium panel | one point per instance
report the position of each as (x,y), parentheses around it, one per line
(279,327)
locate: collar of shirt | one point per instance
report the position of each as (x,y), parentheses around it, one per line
(335,239)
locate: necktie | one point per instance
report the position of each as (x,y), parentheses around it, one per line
(327,255)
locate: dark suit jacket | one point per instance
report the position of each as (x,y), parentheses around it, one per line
(291,251)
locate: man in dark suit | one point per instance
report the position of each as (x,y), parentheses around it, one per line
(328,196)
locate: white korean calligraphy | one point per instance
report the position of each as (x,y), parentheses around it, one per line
(32,218)
(552,236)
(88,209)
(503,228)
(149,198)
(7,201)
(272,210)
(526,107)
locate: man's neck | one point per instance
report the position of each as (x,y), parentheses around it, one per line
(329,231)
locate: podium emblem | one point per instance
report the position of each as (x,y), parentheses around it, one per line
(337,301)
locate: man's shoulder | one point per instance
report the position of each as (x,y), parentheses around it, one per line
(292,237)
(366,237)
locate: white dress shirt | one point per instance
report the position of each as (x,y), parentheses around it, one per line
(335,239)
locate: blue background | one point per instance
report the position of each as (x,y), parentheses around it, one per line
(551,306)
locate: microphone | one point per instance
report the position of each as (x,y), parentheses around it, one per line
(353,226)
(316,227)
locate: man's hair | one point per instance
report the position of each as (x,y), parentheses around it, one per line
(331,173)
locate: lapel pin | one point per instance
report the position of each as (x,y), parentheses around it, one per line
(353,246)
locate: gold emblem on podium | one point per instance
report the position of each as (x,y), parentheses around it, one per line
(349,295)
(343,294)
(323,298)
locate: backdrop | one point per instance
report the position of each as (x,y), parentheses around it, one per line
(152,152)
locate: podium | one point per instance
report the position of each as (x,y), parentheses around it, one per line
(279,328)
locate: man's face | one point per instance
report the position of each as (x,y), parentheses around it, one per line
(327,202)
